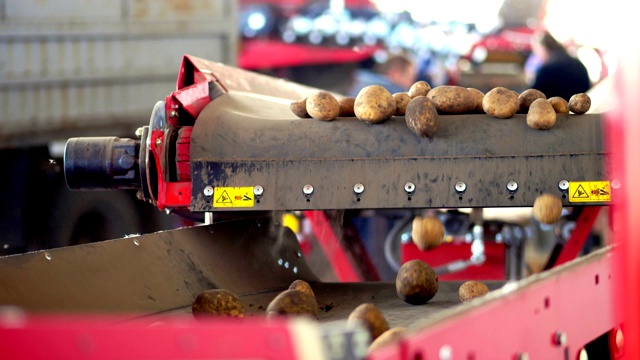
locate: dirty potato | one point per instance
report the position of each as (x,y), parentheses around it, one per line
(560,105)
(427,232)
(419,88)
(416,282)
(371,317)
(421,116)
(501,103)
(299,108)
(346,107)
(217,302)
(323,106)
(388,337)
(541,115)
(580,103)
(477,96)
(471,290)
(374,104)
(451,99)
(547,208)
(293,302)
(303,286)
(528,97)
(402,99)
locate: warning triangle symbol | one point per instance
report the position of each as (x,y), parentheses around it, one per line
(580,193)
(224,198)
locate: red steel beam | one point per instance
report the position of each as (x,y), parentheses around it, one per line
(579,236)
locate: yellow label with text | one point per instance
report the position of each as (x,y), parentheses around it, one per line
(589,191)
(233,197)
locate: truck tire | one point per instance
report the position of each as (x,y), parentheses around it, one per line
(89,216)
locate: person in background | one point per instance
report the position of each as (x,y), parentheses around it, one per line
(558,73)
(396,74)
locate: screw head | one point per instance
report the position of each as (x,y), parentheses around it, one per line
(563,185)
(307,190)
(158,142)
(560,338)
(358,188)
(461,186)
(208,190)
(47,256)
(409,187)
(258,190)
(173,113)
(615,183)
(512,186)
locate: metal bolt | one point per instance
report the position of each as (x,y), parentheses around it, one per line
(409,187)
(47,256)
(208,190)
(258,190)
(461,186)
(512,186)
(280,262)
(307,190)
(446,353)
(295,269)
(138,132)
(522,356)
(286,264)
(173,113)
(619,337)
(560,338)
(358,188)
(168,211)
(158,142)
(615,183)
(563,185)
(299,253)
(136,242)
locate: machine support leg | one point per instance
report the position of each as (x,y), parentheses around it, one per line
(571,249)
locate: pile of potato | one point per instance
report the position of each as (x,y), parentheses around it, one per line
(422,105)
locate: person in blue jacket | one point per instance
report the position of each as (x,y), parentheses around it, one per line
(396,74)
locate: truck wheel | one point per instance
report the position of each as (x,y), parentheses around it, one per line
(90,216)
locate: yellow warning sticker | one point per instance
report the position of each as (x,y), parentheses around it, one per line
(589,191)
(233,197)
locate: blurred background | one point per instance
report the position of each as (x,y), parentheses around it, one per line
(97,67)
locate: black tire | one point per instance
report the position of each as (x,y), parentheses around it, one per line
(90,216)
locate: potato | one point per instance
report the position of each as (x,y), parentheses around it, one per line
(299,108)
(421,116)
(374,104)
(293,302)
(217,302)
(541,115)
(416,282)
(560,105)
(419,88)
(477,96)
(323,106)
(471,290)
(528,97)
(427,232)
(346,107)
(388,337)
(452,99)
(501,103)
(402,99)
(371,317)
(580,103)
(303,286)
(547,208)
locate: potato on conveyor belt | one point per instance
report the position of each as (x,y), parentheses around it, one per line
(477,96)
(371,317)
(303,286)
(217,302)
(346,107)
(527,98)
(560,105)
(547,208)
(419,88)
(580,103)
(293,302)
(323,106)
(402,99)
(452,99)
(427,232)
(299,108)
(421,116)
(501,103)
(416,282)
(388,337)
(471,290)
(541,115)
(374,104)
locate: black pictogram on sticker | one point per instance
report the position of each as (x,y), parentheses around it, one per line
(224,198)
(246,198)
(580,193)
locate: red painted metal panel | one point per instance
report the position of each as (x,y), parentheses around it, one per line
(579,236)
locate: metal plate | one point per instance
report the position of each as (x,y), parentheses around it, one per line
(244,140)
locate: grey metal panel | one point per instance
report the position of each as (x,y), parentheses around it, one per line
(243,140)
